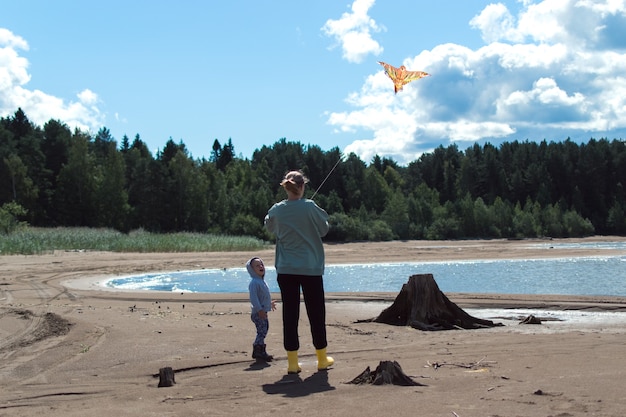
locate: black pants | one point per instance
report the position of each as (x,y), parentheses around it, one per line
(313,294)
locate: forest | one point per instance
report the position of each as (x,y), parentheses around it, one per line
(55,177)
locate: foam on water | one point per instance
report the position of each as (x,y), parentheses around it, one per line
(552,321)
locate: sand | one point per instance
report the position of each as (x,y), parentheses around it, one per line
(69,347)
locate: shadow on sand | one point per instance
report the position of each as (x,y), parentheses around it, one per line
(257,366)
(294,386)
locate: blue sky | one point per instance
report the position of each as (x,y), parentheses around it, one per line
(255,72)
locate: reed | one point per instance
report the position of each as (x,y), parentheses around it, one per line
(31,241)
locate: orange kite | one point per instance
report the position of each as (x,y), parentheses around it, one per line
(400,76)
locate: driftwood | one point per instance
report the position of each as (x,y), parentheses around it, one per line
(166,377)
(531,320)
(421,305)
(387,372)
(482,362)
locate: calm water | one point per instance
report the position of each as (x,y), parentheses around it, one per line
(598,275)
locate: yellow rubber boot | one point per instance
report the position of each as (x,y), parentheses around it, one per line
(293,367)
(323,361)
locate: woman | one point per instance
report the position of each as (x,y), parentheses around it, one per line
(299,225)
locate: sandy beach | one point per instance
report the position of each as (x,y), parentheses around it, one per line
(69,347)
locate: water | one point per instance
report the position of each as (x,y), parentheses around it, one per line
(597,275)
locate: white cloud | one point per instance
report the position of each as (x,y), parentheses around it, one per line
(82,113)
(88,97)
(496,23)
(540,75)
(353,32)
(13,68)
(9,39)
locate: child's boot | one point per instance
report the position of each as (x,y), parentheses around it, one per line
(260,354)
(256,351)
(323,361)
(265,356)
(293,367)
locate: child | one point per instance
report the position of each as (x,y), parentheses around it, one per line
(261,303)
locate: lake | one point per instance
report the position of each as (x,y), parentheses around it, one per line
(597,275)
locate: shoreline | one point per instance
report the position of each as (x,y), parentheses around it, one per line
(94,287)
(361,253)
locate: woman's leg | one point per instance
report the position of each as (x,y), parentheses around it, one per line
(290,294)
(313,292)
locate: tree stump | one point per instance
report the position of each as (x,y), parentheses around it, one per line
(387,372)
(166,377)
(421,305)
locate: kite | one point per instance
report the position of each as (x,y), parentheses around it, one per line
(400,76)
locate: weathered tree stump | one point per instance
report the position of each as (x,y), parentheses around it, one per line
(387,372)
(421,305)
(166,377)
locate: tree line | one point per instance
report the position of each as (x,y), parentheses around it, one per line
(52,176)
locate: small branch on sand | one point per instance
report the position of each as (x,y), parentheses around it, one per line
(437,365)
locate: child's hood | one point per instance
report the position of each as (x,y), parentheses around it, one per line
(251,270)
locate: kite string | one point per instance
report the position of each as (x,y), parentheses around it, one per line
(330,172)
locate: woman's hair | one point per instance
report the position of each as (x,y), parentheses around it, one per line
(293,181)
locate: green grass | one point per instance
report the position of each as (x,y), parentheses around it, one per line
(30,241)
